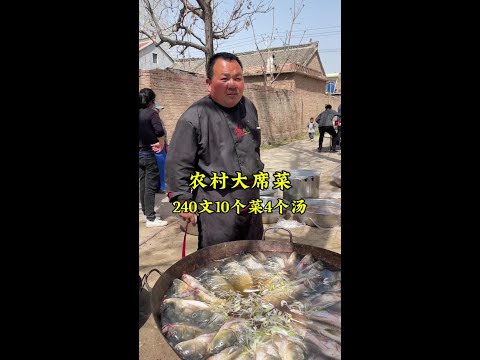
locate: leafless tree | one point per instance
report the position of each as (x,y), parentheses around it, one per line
(271,71)
(196,24)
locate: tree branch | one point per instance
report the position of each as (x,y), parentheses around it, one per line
(162,37)
(197,11)
(295,14)
(264,66)
(190,32)
(196,23)
(173,42)
(204,4)
(234,23)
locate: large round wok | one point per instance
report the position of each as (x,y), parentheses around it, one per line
(201,258)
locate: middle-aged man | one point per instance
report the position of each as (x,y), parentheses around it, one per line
(218,135)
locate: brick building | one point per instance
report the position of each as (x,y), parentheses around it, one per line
(283,108)
(295,67)
(283,114)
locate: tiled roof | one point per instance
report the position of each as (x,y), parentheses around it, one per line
(194,65)
(298,54)
(142,44)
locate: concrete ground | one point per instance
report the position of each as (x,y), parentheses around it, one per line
(160,248)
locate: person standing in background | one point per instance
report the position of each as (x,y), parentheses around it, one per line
(325,124)
(339,134)
(150,130)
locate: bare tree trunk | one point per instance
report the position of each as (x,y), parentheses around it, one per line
(207,8)
(208,36)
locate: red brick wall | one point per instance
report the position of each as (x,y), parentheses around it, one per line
(312,94)
(314,64)
(276,112)
(284,81)
(282,113)
(175,91)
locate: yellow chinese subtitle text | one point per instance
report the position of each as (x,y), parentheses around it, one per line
(219,181)
(253,206)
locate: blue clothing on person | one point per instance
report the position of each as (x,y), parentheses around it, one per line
(161,168)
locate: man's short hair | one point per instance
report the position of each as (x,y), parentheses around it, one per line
(328,106)
(222,55)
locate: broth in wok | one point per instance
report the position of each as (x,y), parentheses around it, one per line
(259,305)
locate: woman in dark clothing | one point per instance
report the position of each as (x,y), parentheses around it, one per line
(149,131)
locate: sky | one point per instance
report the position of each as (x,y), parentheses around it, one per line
(319,20)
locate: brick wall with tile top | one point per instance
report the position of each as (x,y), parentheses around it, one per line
(283,112)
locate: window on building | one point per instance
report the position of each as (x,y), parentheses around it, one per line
(331,87)
(154,58)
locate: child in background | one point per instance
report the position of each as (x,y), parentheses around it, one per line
(311,128)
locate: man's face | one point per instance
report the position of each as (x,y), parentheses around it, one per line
(226,86)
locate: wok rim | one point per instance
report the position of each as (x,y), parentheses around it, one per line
(331,260)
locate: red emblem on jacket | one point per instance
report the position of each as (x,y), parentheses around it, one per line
(239,133)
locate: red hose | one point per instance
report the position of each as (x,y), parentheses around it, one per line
(184,241)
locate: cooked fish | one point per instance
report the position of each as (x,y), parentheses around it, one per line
(176,333)
(237,275)
(194,349)
(231,333)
